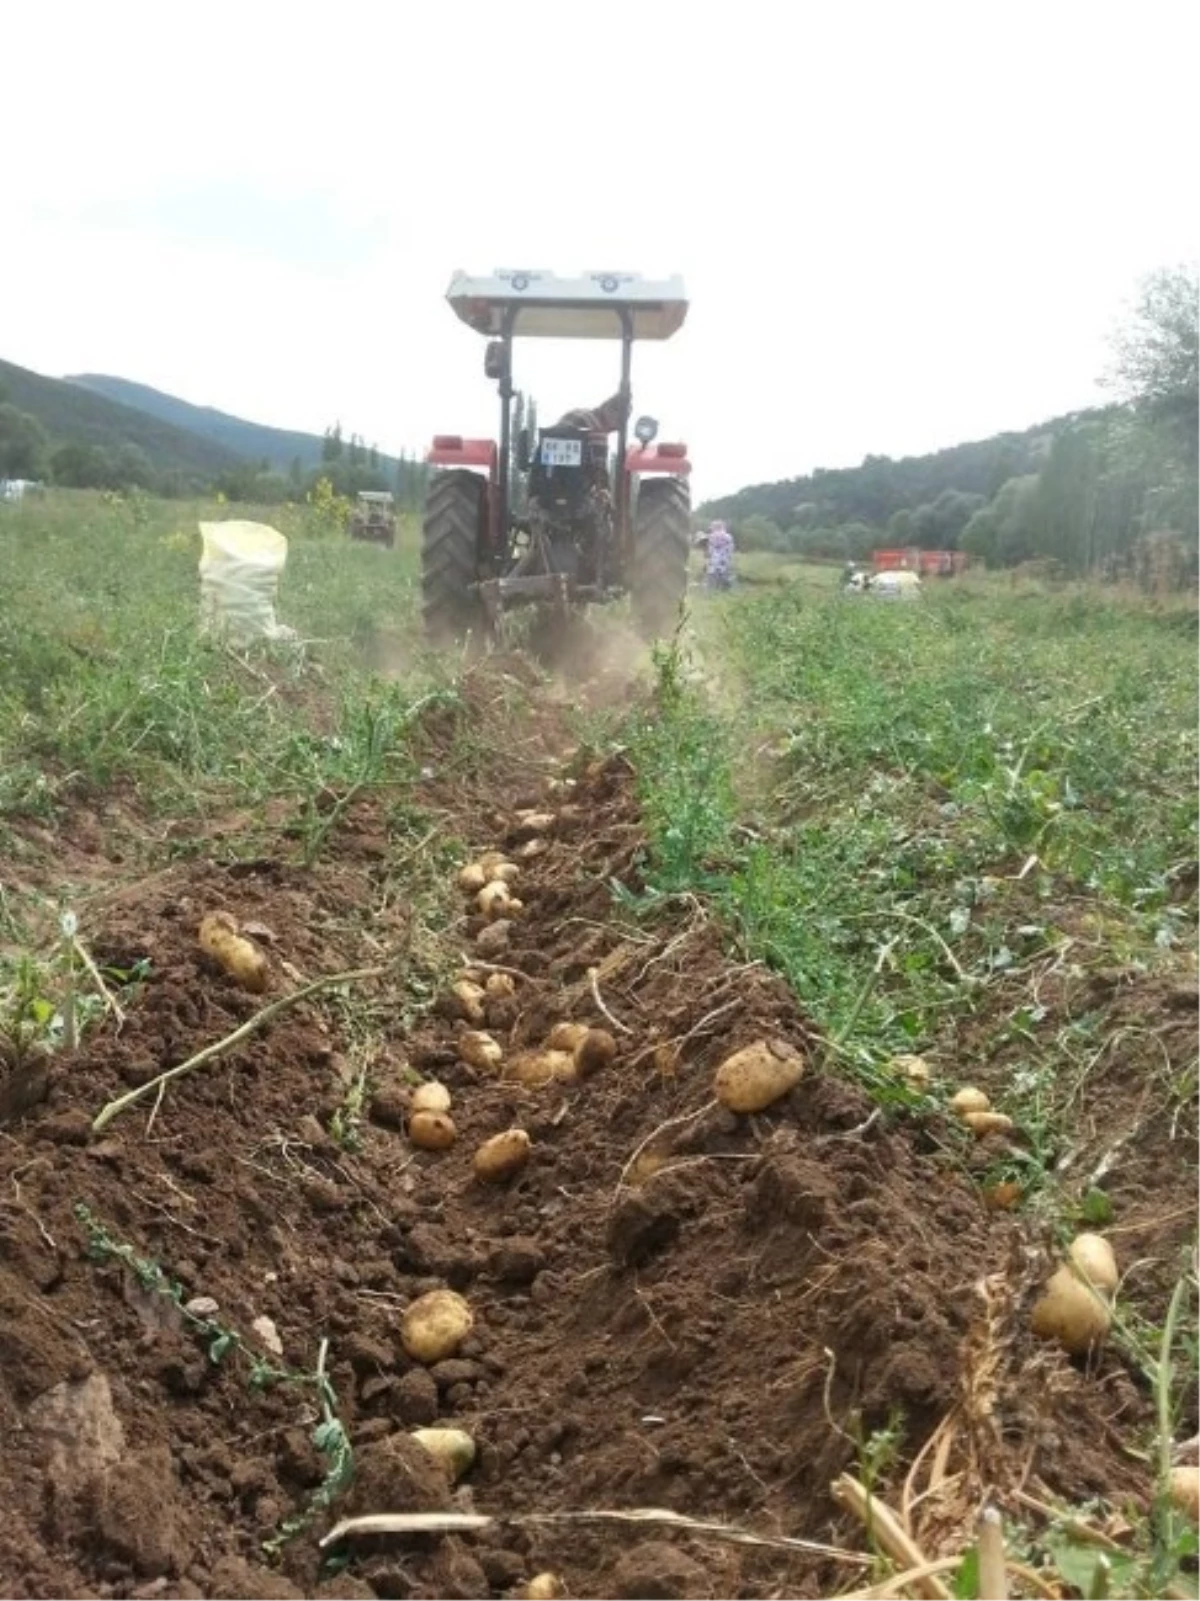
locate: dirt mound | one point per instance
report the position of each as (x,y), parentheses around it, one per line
(674,1306)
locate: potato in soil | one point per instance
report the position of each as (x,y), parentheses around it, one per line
(969,1099)
(236,955)
(479,1049)
(472,878)
(565,1036)
(1071,1313)
(596,1050)
(430,1097)
(752,1078)
(453,1448)
(432,1131)
(435,1325)
(1094,1257)
(541,1067)
(503,1155)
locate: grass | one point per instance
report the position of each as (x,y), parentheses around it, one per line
(929,818)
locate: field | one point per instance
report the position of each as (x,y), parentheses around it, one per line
(963,831)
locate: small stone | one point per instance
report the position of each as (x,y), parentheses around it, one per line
(493,940)
(201,1306)
(268,1335)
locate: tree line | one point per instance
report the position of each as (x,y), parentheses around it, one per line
(27,451)
(1111,491)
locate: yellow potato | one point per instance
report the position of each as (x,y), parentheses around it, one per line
(969,1099)
(435,1325)
(493,899)
(757,1075)
(1093,1256)
(453,1448)
(432,1131)
(500,986)
(541,1067)
(472,878)
(479,1049)
(982,1123)
(597,1049)
(914,1070)
(243,961)
(505,872)
(542,1587)
(430,1097)
(468,999)
(502,1156)
(566,1036)
(1071,1313)
(536,822)
(532,848)
(1185,1491)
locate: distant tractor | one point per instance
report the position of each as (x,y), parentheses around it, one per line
(546,517)
(374,518)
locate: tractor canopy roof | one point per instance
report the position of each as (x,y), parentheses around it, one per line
(543,306)
(375,497)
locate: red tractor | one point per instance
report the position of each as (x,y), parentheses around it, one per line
(549,517)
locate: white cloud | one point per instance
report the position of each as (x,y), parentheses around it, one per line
(901,226)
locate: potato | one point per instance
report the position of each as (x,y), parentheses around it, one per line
(479,1049)
(243,961)
(493,899)
(566,1036)
(1071,1313)
(468,1000)
(532,848)
(500,986)
(472,878)
(503,1155)
(597,1049)
(914,1070)
(541,1067)
(984,1123)
(1002,1197)
(757,1075)
(969,1099)
(1093,1256)
(505,872)
(542,1587)
(1185,1491)
(430,1097)
(453,1448)
(435,1325)
(530,822)
(432,1131)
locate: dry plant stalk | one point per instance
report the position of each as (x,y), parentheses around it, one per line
(887,1530)
(210,1052)
(458,1522)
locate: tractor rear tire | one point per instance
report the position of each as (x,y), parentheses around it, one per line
(451,543)
(662,536)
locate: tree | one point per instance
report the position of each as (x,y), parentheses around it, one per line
(332,449)
(78,466)
(1157,354)
(23,444)
(901,527)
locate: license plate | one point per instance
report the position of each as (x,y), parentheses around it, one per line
(562,452)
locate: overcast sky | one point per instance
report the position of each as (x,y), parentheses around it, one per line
(900,225)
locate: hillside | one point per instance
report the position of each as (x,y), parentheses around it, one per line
(251,441)
(72,415)
(874,491)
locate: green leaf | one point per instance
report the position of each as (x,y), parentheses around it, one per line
(219,1347)
(966,1577)
(1076,1563)
(1096,1207)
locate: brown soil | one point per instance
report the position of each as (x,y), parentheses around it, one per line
(674,1307)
